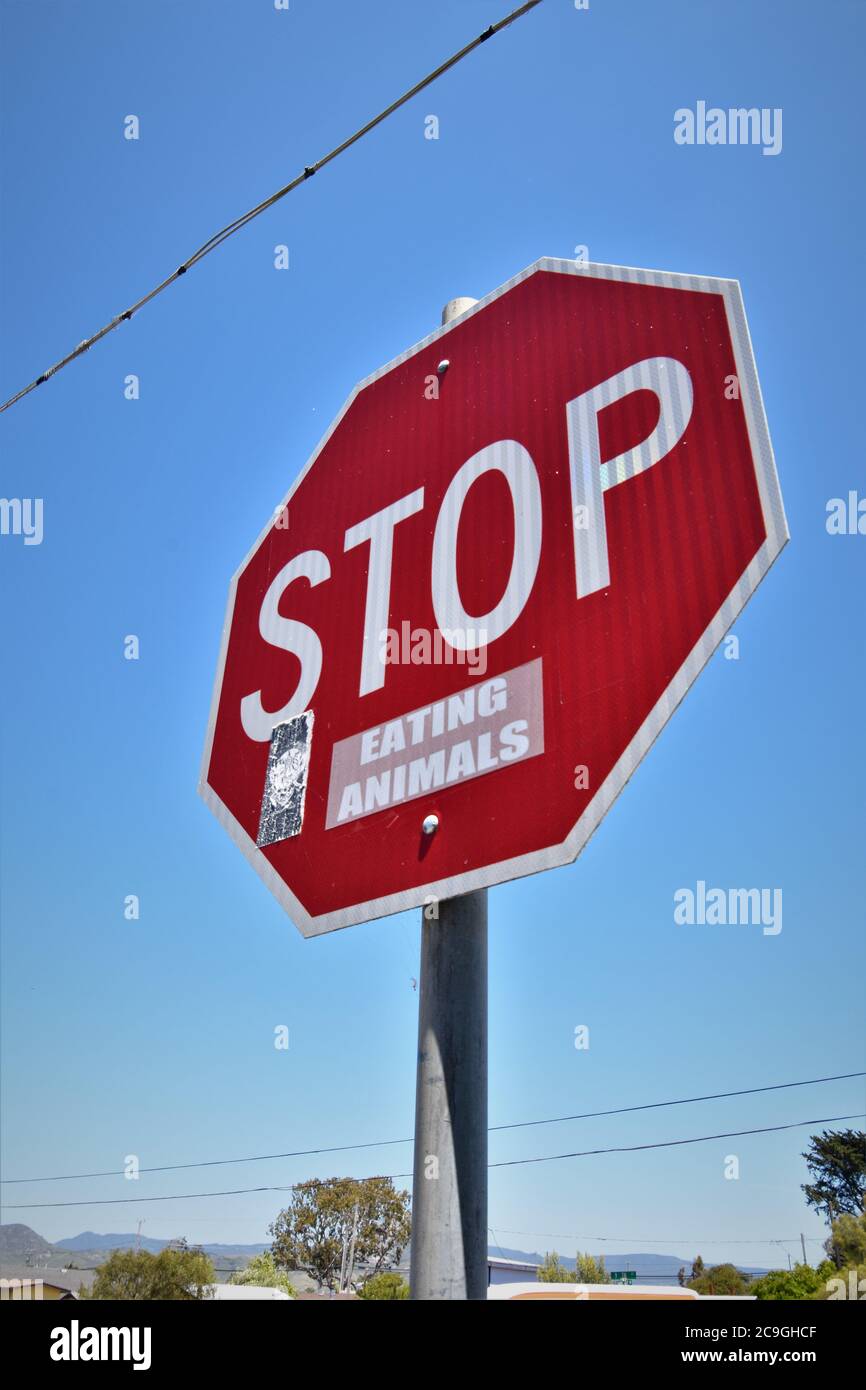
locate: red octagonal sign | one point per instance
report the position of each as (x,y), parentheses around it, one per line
(488,590)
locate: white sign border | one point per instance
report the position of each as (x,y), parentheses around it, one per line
(565,853)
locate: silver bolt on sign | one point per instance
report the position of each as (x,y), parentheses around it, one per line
(282,813)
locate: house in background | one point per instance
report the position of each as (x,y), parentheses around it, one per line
(503,1271)
(27,1282)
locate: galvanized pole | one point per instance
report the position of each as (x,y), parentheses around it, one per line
(351,1265)
(449,1203)
(342,1284)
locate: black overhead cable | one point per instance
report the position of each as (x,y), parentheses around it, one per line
(219,237)
(508,1163)
(658,1240)
(387,1143)
(665,1144)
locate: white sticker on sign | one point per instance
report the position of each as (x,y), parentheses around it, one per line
(481,729)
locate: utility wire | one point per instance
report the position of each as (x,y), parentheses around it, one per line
(665,1144)
(223,235)
(653,1240)
(509,1163)
(215,1162)
(689,1100)
(494,1129)
(123,1201)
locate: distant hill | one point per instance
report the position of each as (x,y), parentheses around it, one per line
(654,1268)
(20,1244)
(90,1241)
(17,1240)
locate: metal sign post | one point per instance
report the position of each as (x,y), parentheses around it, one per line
(562,543)
(449,1201)
(449,1185)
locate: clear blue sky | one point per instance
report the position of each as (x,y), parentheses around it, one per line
(155,1037)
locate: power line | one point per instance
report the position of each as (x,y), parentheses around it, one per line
(125,1201)
(653,1240)
(223,235)
(665,1144)
(386,1143)
(216,1162)
(509,1163)
(689,1100)
(182,1196)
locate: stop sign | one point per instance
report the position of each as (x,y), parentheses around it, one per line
(489,588)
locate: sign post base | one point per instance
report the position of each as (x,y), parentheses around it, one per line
(449,1203)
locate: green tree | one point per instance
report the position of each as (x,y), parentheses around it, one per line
(176,1274)
(719,1279)
(553,1271)
(591,1270)
(845,1271)
(801,1282)
(849,1283)
(847,1243)
(836,1161)
(387,1286)
(314,1232)
(262,1272)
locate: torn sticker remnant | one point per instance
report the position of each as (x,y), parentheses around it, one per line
(282,814)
